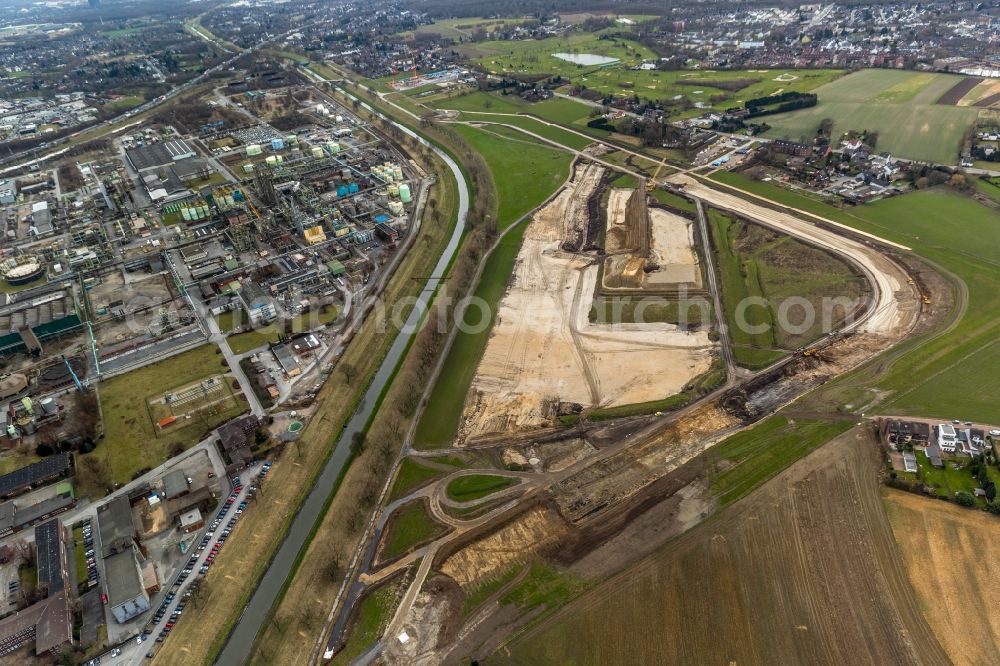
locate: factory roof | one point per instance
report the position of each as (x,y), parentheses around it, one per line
(175,483)
(114,521)
(159,154)
(49,551)
(21,479)
(121,572)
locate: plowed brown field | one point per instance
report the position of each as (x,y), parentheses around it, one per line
(803,571)
(953,558)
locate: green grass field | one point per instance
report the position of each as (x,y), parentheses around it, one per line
(131,439)
(411,475)
(524,172)
(475,486)
(241,343)
(926,374)
(475,597)
(899,105)
(524,178)
(482,106)
(757,454)
(756,263)
(409,526)
(374,613)
(462,28)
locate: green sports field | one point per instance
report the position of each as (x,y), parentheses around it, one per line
(900,106)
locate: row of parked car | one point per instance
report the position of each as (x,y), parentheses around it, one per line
(91,555)
(188,570)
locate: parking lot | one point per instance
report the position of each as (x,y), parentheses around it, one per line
(160,621)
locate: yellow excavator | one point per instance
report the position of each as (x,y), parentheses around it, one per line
(651,183)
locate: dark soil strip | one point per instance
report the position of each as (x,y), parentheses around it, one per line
(988,101)
(958,91)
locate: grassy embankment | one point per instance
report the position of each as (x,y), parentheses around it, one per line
(409,526)
(374,612)
(476,486)
(410,476)
(205,629)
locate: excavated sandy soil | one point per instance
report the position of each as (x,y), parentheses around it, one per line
(514,542)
(544,349)
(673,250)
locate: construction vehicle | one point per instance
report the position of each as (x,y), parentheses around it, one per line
(651,183)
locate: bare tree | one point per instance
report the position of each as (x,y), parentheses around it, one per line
(349,372)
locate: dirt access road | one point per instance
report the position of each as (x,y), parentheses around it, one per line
(895,301)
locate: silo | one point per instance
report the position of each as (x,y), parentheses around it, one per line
(317,152)
(382,195)
(397,172)
(404,193)
(49,406)
(396,208)
(253,149)
(247,168)
(277,144)
(271,160)
(352,188)
(342,191)
(394,190)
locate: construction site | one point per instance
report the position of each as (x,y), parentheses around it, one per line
(599,495)
(545,355)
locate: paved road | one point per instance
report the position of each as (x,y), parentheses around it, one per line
(216,337)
